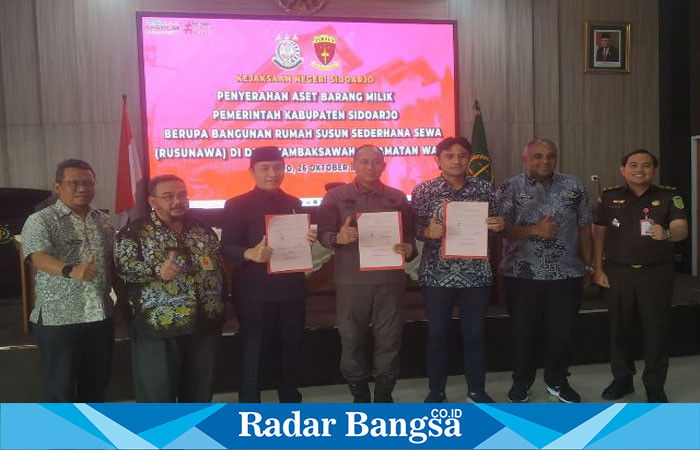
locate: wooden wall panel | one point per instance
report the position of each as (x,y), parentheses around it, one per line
(55,28)
(27,165)
(596,108)
(20,69)
(4,155)
(545,68)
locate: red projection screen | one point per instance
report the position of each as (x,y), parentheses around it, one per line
(214,87)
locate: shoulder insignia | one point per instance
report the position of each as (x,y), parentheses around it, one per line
(678,202)
(610,188)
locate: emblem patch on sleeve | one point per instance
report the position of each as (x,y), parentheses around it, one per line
(678,202)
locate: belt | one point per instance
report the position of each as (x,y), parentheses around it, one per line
(639,266)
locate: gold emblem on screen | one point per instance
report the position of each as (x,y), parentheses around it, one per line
(324,46)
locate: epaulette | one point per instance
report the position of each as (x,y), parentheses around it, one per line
(670,188)
(610,188)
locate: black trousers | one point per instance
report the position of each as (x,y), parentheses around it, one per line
(644,293)
(472,303)
(266,329)
(548,305)
(76,360)
(179,368)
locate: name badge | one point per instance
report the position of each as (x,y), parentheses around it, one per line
(645,227)
(206,263)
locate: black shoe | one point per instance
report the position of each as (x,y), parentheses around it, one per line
(564,392)
(479,397)
(435,397)
(656,395)
(290,396)
(618,388)
(519,393)
(360,392)
(383,387)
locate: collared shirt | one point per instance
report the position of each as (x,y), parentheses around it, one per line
(620,211)
(346,201)
(65,235)
(170,308)
(243,223)
(524,201)
(436,271)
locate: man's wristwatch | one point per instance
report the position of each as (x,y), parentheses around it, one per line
(668,234)
(590,269)
(67,270)
(334,241)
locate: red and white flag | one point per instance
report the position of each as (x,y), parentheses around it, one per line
(128,171)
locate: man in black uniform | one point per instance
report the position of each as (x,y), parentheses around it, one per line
(267,304)
(636,227)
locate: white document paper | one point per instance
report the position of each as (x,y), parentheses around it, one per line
(378,234)
(287,237)
(466,235)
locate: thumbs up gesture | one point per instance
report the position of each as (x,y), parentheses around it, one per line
(86,270)
(547,228)
(170,270)
(434,230)
(347,233)
(260,253)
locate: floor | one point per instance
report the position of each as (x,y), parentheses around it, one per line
(683,385)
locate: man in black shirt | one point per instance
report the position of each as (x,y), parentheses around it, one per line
(636,227)
(267,304)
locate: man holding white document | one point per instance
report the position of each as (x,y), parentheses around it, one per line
(453,219)
(268,239)
(546,253)
(370,227)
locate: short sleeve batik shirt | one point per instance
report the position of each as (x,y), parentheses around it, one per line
(64,235)
(524,201)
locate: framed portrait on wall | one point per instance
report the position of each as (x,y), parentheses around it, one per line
(606,47)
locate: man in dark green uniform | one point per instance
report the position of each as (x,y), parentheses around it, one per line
(636,227)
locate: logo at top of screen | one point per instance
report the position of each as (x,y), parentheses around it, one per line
(324,47)
(162,26)
(287,53)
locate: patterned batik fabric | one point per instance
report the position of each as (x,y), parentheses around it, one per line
(524,201)
(173,307)
(64,235)
(427,199)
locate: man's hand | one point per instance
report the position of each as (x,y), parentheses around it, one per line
(546,228)
(434,230)
(347,234)
(495,223)
(600,278)
(260,253)
(404,249)
(311,236)
(170,270)
(658,233)
(85,271)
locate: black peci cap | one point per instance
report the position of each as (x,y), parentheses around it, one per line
(261,154)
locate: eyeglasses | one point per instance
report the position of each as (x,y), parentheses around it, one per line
(75,184)
(182,196)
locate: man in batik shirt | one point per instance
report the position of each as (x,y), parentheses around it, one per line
(70,244)
(172,266)
(546,253)
(444,281)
